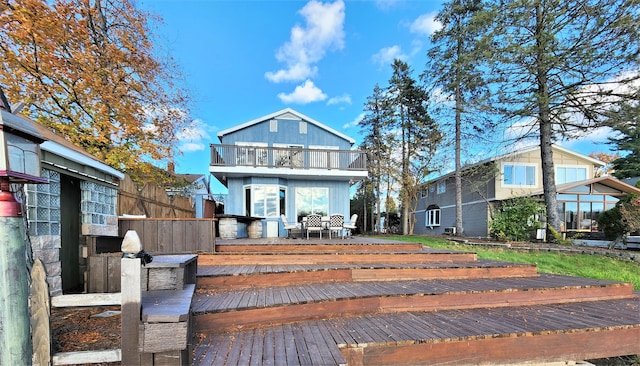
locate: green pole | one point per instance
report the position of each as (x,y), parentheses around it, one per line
(15,328)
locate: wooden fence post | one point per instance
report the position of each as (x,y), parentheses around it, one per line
(130,287)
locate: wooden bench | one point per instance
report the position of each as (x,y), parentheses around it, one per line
(166,320)
(156,310)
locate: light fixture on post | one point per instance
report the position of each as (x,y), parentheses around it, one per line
(19,164)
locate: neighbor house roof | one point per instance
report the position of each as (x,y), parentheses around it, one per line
(286,113)
(606,180)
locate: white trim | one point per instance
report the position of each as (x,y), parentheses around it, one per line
(65,152)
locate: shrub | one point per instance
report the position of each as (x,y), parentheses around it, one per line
(516,218)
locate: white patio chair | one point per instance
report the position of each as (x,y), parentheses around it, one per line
(336,223)
(314,223)
(351,225)
(288,226)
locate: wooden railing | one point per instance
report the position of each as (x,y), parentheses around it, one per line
(287,157)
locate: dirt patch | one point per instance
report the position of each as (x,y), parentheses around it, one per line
(76,329)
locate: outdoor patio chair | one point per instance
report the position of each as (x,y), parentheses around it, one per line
(336,223)
(351,225)
(288,226)
(314,223)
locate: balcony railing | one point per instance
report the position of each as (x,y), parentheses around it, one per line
(287,157)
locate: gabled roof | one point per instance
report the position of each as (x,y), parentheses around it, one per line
(525,150)
(286,113)
(606,181)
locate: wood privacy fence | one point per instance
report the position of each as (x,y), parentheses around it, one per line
(151,201)
(172,236)
(158,236)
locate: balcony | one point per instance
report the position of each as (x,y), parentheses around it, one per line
(292,162)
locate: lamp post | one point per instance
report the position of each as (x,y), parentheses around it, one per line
(19,164)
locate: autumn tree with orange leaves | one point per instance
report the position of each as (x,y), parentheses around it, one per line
(90,71)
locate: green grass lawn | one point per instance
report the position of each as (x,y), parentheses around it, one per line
(581,265)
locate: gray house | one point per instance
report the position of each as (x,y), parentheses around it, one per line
(581,197)
(286,163)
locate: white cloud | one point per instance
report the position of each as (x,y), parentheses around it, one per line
(323,31)
(425,24)
(386,55)
(191,146)
(354,123)
(195,131)
(343,99)
(191,137)
(304,94)
(386,4)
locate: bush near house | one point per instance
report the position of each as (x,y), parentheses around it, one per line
(624,218)
(516,218)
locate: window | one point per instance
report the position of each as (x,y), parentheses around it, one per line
(312,200)
(433,216)
(264,200)
(570,174)
(273,125)
(441,187)
(424,192)
(519,175)
(302,127)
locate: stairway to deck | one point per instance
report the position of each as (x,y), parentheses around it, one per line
(356,302)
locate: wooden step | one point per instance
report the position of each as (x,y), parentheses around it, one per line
(344,247)
(526,334)
(216,311)
(236,277)
(426,256)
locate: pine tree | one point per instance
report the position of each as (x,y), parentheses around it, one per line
(555,65)
(627,139)
(454,68)
(419,136)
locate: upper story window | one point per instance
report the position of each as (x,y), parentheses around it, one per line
(568,174)
(273,125)
(523,175)
(441,187)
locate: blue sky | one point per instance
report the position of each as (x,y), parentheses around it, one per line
(245,59)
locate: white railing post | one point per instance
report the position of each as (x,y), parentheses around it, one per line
(130,282)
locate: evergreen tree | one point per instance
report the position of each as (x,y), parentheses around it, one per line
(555,65)
(454,67)
(419,137)
(374,126)
(627,139)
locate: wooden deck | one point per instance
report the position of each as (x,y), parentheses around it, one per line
(367,307)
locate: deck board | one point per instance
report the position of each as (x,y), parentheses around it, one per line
(327,302)
(316,342)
